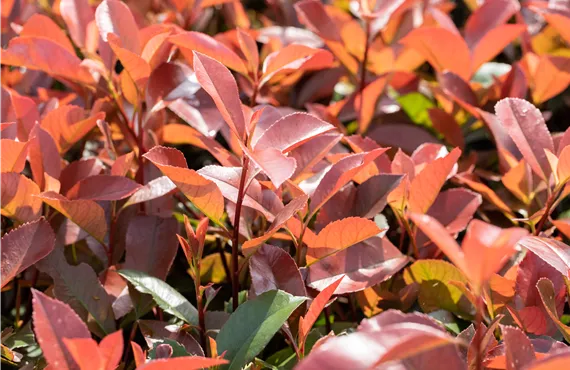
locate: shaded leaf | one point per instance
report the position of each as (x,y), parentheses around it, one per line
(103,187)
(553,252)
(548,295)
(163,294)
(253,324)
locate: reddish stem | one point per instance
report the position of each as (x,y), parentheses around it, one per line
(547,209)
(235,239)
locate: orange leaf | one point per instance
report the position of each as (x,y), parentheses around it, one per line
(19,199)
(339,235)
(14,155)
(182,363)
(443,49)
(426,185)
(203,193)
(85,213)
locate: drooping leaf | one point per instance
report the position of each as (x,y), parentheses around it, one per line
(54,321)
(525,125)
(340,235)
(151,245)
(163,294)
(203,193)
(103,187)
(253,324)
(272,268)
(86,213)
(24,246)
(553,252)
(20,198)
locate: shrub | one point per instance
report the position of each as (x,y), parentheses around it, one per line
(355,185)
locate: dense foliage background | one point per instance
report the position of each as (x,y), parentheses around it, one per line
(285,184)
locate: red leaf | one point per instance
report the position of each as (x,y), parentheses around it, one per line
(77,171)
(280,220)
(85,213)
(518,348)
(182,363)
(152,190)
(525,125)
(136,67)
(338,175)
(103,187)
(558,360)
(24,246)
(221,86)
(248,47)
(272,268)
(317,306)
(105,356)
(276,165)
(19,199)
(202,192)
(54,321)
(114,16)
(454,208)
(488,16)
(551,251)
(151,245)
(494,42)
(211,47)
(376,259)
(446,124)
(290,132)
(168,82)
(77,14)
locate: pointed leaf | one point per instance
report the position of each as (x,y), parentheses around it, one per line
(114,16)
(519,351)
(253,324)
(77,14)
(219,83)
(525,125)
(203,193)
(548,296)
(24,246)
(163,294)
(50,329)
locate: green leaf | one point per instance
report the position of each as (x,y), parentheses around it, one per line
(253,324)
(163,294)
(435,291)
(416,106)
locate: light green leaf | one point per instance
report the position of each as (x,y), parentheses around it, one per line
(253,324)
(163,294)
(416,106)
(435,291)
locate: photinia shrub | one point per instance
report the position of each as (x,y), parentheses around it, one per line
(285,184)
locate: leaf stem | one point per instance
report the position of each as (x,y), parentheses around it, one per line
(547,209)
(412,237)
(235,239)
(363,71)
(478,333)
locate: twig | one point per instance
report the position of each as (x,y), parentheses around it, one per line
(235,239)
